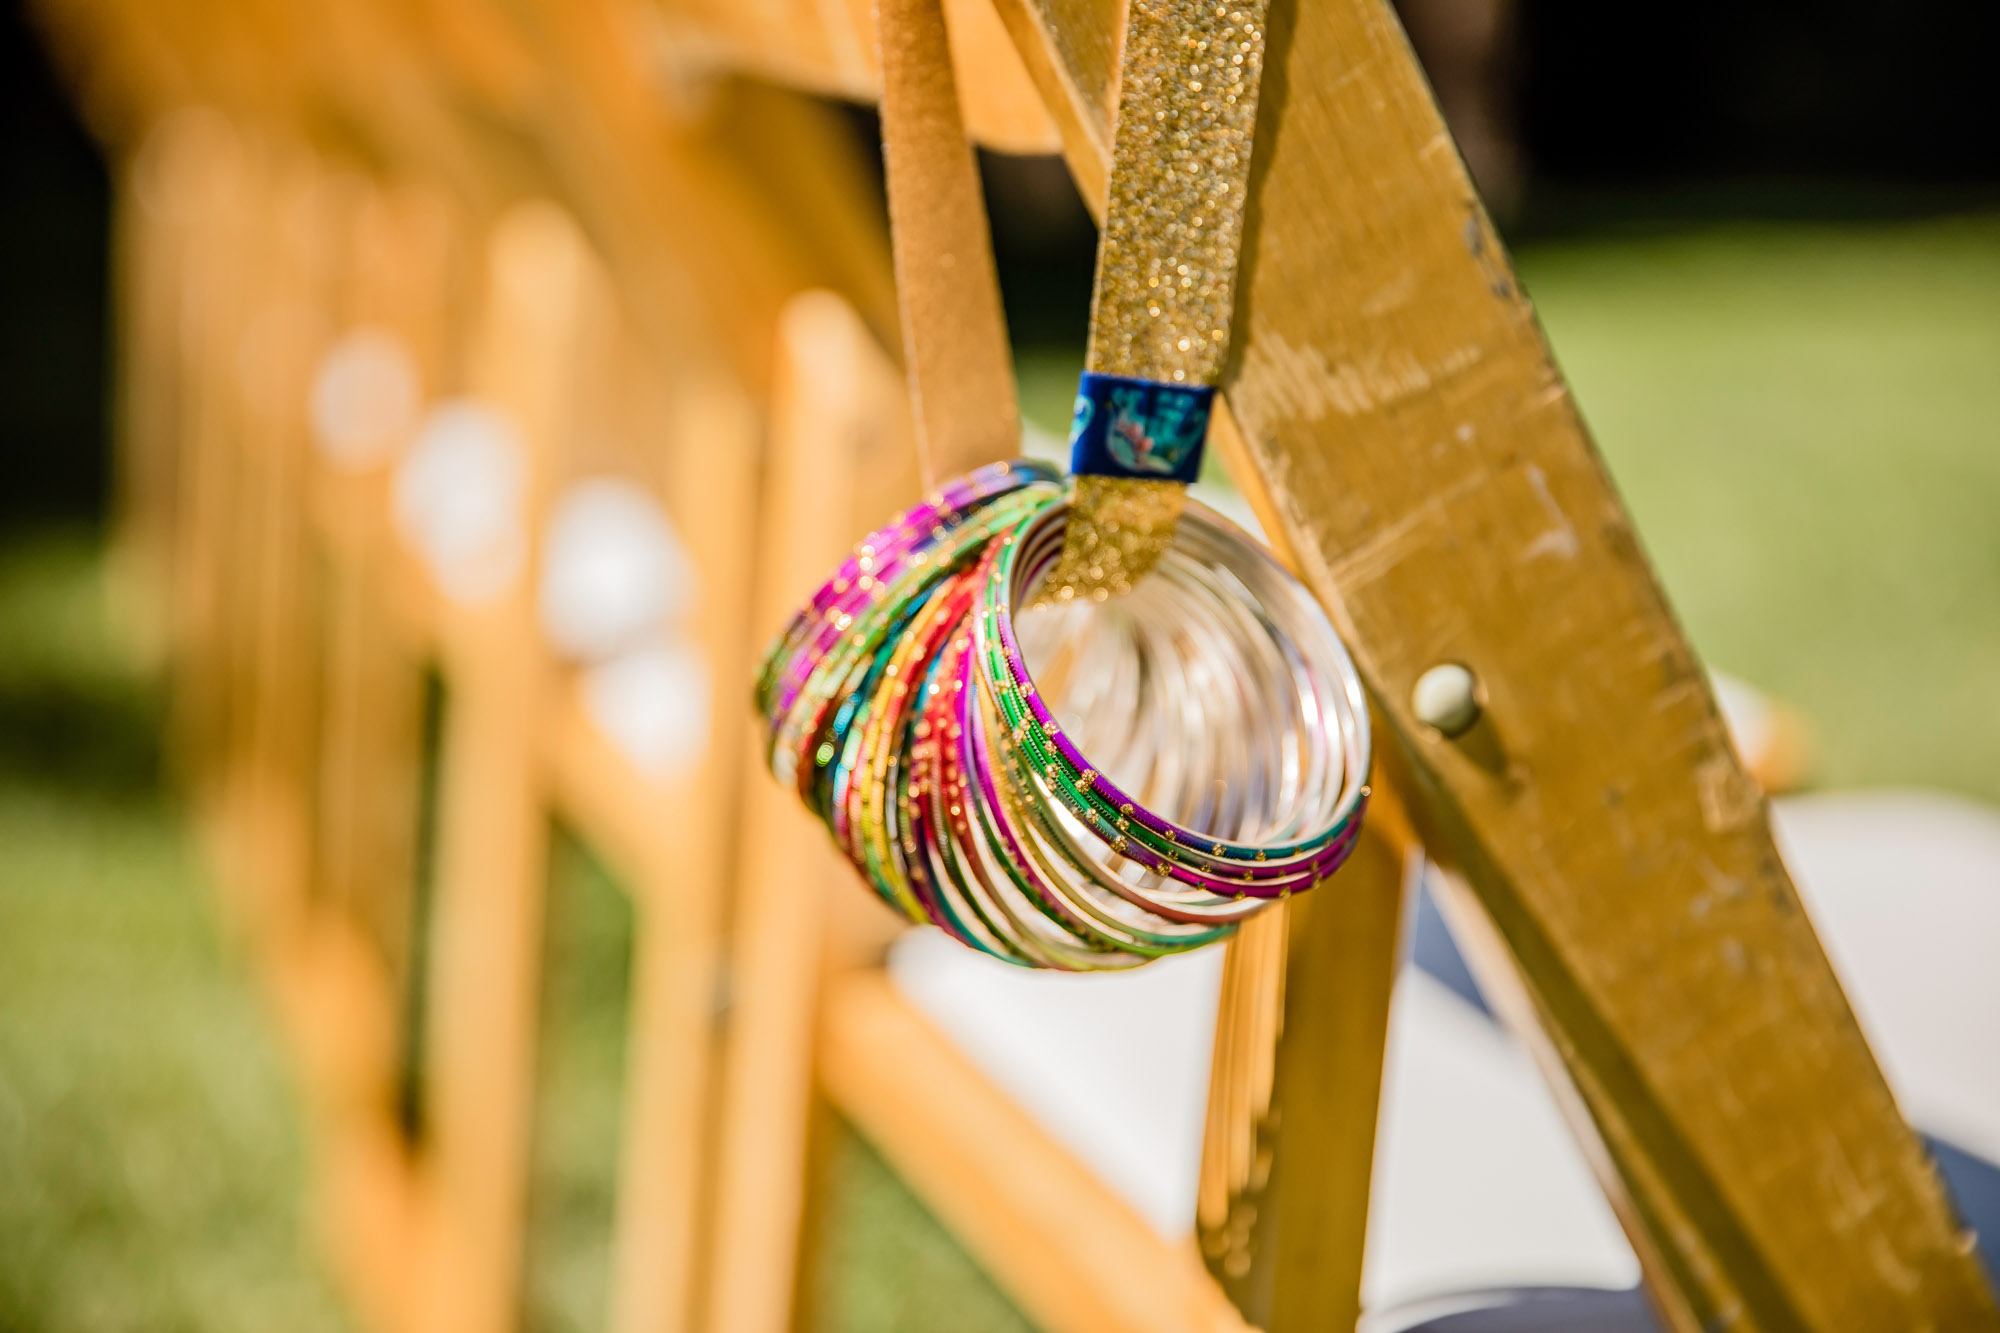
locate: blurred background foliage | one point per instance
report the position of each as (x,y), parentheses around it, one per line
(1765,241)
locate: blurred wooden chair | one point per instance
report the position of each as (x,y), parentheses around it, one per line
(1394,420)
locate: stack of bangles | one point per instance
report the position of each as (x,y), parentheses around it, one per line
(1193,751)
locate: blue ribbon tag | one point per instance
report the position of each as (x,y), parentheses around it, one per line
(1144,429)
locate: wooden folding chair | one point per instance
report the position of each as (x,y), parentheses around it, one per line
(1395,420)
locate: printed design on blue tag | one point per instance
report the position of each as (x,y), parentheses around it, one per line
(1126,427)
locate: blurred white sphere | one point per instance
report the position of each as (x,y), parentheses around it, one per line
(364,399)
(460,495)
(613,570)
(653,703)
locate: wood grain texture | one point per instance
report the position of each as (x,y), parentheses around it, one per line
(1003,110)
(493,822)
(1072,1254)
(369,1214)
(955,351)
(307,713)
(1447,504)
(265,597)
(1295,1089)
(149,270)
(212,183)
(829,46)
(505,102)
(400,270)
(659,832)
(1433,475)
(1060,48)
(836,414)
(1422,457)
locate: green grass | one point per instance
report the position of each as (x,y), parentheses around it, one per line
(1803,421)
(150,1163)
(884,1265)
(1806,425)
(580,1081)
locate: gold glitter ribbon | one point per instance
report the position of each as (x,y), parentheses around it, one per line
(1167,258)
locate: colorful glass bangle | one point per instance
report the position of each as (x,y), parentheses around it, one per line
(901,706)
(1306,839)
